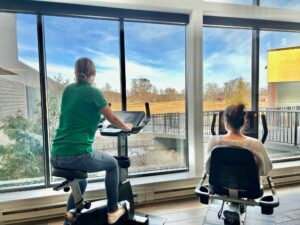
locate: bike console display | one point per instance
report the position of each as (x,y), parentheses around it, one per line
(134,118)
(138,119)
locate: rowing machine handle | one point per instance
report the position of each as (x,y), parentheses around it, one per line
(265,127)
(213,124)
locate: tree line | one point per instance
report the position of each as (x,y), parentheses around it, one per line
(143,90)
(234,91)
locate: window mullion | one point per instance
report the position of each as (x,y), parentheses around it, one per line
(255,71)
(44,110)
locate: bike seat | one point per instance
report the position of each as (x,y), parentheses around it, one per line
(69,174)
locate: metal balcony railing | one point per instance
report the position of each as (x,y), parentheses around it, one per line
(283,124)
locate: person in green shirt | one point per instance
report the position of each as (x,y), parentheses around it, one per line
(81,109)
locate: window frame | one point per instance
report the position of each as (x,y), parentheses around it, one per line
(256,25)
(196,11)
(41,9)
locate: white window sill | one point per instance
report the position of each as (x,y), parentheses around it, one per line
(137,183)
(46,203)
(156,183)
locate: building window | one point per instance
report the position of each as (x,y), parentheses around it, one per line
(227,71)
(227,67)
(279,84)
(243,2)
(284,4)
(66,40)
(155,73)
(21,148)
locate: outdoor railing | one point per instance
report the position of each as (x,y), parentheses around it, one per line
(283,125)
(168,123)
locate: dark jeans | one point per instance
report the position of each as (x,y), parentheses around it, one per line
(92,162)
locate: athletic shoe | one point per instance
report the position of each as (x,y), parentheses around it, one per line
(113,217)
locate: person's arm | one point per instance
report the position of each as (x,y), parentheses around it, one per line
(264,162)
(114,120)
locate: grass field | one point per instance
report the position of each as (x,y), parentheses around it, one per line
(169,106)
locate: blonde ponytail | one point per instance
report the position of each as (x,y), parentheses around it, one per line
(84,68)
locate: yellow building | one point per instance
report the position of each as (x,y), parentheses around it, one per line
(283,73)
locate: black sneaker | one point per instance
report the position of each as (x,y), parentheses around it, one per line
(232,218)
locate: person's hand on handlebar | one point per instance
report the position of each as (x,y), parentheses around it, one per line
(128,127)
(114,120)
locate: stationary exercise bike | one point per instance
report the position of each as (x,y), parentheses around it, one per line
(95,213)
(234,182)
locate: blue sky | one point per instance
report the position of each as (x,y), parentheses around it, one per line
(286,4)
(227,52)
(153,51)
(272,40)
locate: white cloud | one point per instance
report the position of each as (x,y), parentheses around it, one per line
(103,60)
(108,72)
(230,60)
(220,67)
(109,76)
(104,36)
(24,47)
(52,69)
(151,32)
(290,4)
(55,69)
(31,62)
(161,78)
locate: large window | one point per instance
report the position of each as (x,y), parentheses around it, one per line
(226,71)
(154,55)
(285,4)
(227,60)
(21,142)
(155,73)
(227,67)
(279,84)
(66,40)
(244,2)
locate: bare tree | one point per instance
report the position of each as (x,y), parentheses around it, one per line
(154,94)
(170,94)
(110,94)
(106,87)
(107,92)
(61,80)
(141,89)
(237,91)
(212,92)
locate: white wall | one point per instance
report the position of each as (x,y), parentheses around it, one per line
(8,40)
(288,94)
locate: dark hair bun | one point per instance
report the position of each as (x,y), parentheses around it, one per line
(235,116)
(240,108)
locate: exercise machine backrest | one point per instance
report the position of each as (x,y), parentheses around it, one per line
(250,128)
(233,172)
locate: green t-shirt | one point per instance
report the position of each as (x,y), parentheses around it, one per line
(79,119)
